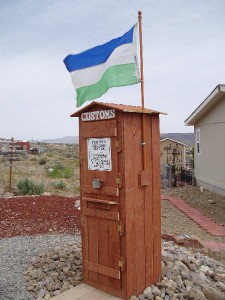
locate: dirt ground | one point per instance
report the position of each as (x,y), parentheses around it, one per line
(175,223)
(209,204)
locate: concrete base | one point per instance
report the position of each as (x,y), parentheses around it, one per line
(84,292)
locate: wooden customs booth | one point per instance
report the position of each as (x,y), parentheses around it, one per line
(120,202)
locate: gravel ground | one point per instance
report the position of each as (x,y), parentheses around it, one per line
(16,254)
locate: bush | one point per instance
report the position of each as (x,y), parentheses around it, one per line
(61,171)
(27,187)
(59,185)
(42,161)
(33,158)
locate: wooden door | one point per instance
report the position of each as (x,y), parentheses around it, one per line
(100,184)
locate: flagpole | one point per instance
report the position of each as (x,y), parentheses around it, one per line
(143,143)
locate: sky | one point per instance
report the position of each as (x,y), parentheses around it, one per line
(183,52)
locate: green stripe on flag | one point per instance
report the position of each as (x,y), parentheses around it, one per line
(115,76)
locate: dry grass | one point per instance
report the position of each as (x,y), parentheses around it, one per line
(63,156)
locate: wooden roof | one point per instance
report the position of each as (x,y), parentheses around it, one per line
(120,107)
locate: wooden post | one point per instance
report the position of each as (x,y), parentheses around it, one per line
(143,143)
(10,168)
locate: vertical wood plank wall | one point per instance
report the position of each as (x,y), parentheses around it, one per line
(143,208)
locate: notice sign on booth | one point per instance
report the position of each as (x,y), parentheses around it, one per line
(99,154)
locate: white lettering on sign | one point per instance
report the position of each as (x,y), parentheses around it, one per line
(98,115)
(99,154)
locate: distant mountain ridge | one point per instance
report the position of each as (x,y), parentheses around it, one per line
(186,138)
(63,140)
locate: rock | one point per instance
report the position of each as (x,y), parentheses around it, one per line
(212,293)
(175,271)
(220,277)
(167,257)
(48,275)
(57,292)
(52,287)
(196,294)
(220,286)
(47,193)
(185,274)
(155,290)
(77,204)
(41,293)
(148,293)
(188,284)
(212,201)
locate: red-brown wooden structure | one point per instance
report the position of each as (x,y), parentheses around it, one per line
(120,200)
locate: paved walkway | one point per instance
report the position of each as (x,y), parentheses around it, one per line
(84,292)
(203,221)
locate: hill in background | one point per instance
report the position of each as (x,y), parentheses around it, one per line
(63,140)
(186,138)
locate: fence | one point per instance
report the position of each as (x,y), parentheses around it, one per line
(166,175)
(170,177)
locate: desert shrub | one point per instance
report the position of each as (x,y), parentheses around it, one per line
(50,154)
(42,161)
(27,187)
(76,189)
(59,185)
(61,171)
(33,158)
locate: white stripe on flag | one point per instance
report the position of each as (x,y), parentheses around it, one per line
(123,54)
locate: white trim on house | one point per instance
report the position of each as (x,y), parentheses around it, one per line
(173,141)
(205,106)
(198,142)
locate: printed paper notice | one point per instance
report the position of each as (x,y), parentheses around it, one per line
(99,154)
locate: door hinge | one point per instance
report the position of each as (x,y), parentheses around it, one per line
(81,158)
(118,146)
(121,228)
(83,221)
(122,264)
(119,180)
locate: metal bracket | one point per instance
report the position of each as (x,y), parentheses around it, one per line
(122,264)
(119,180)
(96,183)
(121,228)
(118,146)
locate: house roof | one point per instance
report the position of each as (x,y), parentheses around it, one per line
(206,105)
(120,107)
(162,140)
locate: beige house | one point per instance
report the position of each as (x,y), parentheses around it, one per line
(172,152)
(209,126)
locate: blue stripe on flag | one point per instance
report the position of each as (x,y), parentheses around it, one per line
(97,55)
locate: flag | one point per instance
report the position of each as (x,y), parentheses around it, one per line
(112,64)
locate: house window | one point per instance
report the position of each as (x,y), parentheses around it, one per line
(198,148)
